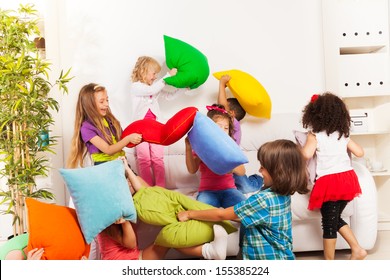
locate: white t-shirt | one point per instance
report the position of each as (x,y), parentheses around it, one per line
(145,97)
(332,155)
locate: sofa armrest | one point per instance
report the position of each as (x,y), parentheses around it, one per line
(364,221)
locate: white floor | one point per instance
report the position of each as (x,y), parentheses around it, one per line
(381,250)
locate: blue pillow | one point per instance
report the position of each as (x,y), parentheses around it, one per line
(101,196)
(214,147)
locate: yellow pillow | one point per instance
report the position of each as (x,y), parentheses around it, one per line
(251,95)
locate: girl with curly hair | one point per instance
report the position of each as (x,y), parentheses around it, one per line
(328,121)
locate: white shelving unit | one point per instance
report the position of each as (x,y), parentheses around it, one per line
(357,67)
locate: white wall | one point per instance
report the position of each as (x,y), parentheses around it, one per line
(278,42)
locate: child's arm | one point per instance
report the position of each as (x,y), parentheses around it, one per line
(128,238)
(171,95)
(135,181)
(310,146)
(355,148)
(192,162)
(222,98)
(211,215)
(239,170)
(142,89)
(143,182)
(108,149)
(173,92)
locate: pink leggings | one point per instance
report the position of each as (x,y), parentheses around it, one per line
(150,159)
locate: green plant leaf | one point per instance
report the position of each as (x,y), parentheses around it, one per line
(25,109)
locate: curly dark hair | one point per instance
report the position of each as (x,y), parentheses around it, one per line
(213,113)
(327,112)
(236,107)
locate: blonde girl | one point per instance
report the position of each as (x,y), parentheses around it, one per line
(145,91)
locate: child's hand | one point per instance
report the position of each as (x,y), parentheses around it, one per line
(187,142)
(124,159)
(224,80)
(173,72)
(239,170)
(120,221)
(135,138)
(125,163)
(35,254)
(183,216)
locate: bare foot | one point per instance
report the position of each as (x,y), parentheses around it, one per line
(360,254)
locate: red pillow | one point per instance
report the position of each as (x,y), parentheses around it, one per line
(164,134)
(56,229)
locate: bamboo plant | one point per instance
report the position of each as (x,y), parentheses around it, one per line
(26,109)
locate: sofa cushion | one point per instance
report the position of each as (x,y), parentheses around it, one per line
(301,137)
(299,203)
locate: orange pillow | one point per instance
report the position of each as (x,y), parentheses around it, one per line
(56,229)
(164,134)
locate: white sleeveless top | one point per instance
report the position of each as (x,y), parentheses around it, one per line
(332,155)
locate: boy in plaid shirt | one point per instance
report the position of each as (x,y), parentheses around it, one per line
(266,215)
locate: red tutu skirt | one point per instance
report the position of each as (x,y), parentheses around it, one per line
(333,187)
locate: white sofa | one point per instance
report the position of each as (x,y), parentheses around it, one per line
(360,214)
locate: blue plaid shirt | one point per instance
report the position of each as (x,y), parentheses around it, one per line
(266,217)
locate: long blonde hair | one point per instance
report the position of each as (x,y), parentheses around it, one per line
(86,110)
(142,66)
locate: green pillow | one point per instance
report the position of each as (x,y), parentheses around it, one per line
(192,65)
(159,206)
(101,196)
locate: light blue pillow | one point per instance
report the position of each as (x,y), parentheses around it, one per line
(214,147)
(101,196)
